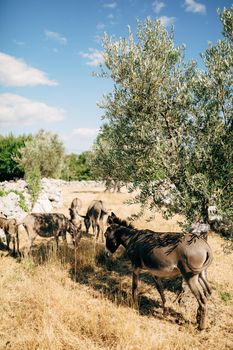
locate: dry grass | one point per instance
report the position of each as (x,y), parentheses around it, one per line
(55,301)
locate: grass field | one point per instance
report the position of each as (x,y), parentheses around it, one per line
(58,301)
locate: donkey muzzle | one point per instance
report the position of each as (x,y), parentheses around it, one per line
(107,252)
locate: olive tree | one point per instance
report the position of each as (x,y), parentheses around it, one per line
(170,123)
(42,156)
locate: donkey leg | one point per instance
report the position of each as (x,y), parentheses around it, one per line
(64,239)
(159,287)
(94,228)
(101,227)
(205,290)
(97,231)
(17,242)
(204,283)
(135,285)
(8,239)
(57,241)
(30,244)
(195,287)
(13,242)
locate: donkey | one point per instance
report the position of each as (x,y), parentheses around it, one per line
(76,205)
(74,209)
(94,217)
(10,229)
(49,225)
(166,255)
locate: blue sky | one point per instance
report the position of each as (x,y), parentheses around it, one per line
(49,49)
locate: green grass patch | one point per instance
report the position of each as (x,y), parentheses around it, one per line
(226,297)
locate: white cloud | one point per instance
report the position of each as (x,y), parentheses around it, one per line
(19,43)
(195,7)
(110,16)
(167,21)
(86,132)
(94,56)
(56,37)
(18,110)
(111,5)
(100,26)
(16,72)
(158,5)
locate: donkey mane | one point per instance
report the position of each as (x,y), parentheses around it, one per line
(149,239)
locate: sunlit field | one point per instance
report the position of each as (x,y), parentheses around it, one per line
(59,300)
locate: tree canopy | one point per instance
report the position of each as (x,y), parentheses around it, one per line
(168,122)
(10,146)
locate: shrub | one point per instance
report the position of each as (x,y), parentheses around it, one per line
(9,149)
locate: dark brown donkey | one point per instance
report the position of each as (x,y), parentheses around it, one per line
(165,255)
(49,225)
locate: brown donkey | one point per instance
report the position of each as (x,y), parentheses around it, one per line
(10,229)
(165,255)
(49,225)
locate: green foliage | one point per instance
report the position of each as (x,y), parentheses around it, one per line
(167,120)
(9,149)
(44,152)
(76,167)
(226,297)
(33,179)
(42,156)
(22,202)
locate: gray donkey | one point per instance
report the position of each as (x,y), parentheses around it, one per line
(94,217)
(165,255)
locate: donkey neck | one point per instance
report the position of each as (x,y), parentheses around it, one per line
(124,235)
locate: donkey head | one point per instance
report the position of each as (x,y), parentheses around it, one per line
(74,232)
(111,239)
(113,219)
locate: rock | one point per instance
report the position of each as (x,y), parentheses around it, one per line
(42,206)
(9,206)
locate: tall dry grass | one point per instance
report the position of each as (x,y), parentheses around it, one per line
(57,300)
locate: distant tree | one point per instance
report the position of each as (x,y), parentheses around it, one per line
(76,167)
(169,121)
(42,156)
(45,152)
(9,149)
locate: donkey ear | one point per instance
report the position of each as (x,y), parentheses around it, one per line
(110,220)
(113,215)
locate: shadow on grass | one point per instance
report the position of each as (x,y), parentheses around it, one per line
(46,251)
(8,252)
(111,277)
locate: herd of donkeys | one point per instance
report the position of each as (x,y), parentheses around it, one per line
(164,255)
